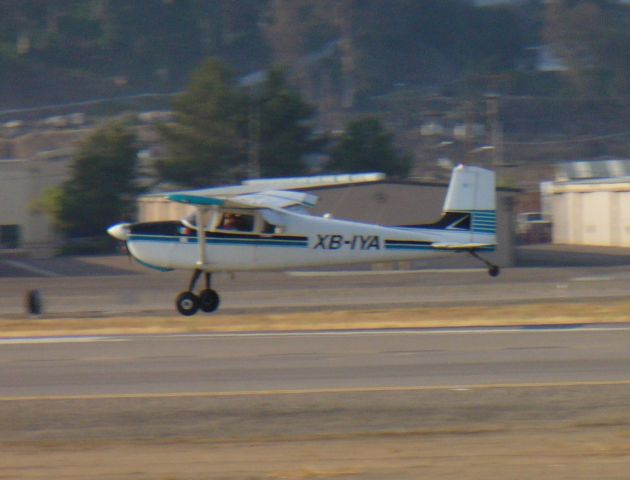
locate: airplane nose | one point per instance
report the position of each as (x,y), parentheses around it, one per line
(119,231)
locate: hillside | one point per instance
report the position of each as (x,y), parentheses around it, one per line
(71,50)
(418,65)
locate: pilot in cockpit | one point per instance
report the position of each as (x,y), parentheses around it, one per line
(230,222)
(237,221)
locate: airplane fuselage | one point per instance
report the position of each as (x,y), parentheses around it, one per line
(302,241)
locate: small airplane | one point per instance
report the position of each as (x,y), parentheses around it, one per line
(264,225)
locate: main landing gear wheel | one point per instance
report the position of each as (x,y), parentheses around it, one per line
(494,270)
(208,300)
(187,303)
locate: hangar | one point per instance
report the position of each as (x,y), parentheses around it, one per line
(385,202)
(591,212)
(590,203)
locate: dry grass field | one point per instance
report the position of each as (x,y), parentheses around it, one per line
(546,313)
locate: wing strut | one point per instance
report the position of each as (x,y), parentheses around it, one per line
(201,236)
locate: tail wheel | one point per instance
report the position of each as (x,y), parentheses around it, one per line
(208,300)
(187,303)
(493,271)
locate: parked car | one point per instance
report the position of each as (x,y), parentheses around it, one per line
(533,227)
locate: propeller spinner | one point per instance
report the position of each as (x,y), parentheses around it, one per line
(120,231)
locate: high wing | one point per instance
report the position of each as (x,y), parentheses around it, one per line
(274,193)
(276,199)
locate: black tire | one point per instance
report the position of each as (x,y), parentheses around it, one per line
(208,300)
(187,303)
(494,271)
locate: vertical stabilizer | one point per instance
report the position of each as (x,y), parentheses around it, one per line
(471,189)
(470,203)
(470,206)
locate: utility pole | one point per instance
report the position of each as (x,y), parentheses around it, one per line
(496,129)
(343,14)
(253,151)
(469,120)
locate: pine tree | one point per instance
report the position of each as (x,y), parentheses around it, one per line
(366,146)
(102,187)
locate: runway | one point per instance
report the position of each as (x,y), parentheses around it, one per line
(466,404)
(317,362)
(154,293)
(493,403)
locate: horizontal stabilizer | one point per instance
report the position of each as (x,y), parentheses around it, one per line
(463,246)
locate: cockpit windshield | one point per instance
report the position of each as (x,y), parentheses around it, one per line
(190,221)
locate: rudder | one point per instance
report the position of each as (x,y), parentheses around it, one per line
(472,190)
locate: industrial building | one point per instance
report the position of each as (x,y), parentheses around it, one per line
(590,203)
(32,162)
(24,179)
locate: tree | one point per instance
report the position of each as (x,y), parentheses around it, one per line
(102,188)
(207,141)
(366,146)
(432,42)
(285,133)
(218,125)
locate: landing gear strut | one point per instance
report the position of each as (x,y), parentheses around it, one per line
(188,303)
(493,270)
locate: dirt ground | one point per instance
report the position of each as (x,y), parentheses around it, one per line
(487,455)
(579,432)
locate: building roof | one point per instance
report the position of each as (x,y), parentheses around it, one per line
(608,168)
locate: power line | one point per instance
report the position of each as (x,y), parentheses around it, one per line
(575,140)
(86,103)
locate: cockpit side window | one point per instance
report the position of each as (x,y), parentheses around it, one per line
(229,221)
(268,228)
(236,221)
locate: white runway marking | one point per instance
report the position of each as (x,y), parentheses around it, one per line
(46,340)
(601,278)
(419,331)
(31,268)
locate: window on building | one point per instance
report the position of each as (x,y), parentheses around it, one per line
(9,236)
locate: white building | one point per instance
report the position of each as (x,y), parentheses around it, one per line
(32,163)
(23,227)
(591,212)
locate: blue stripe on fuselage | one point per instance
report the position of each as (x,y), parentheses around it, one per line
(263,242)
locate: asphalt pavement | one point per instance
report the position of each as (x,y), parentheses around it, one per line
(224,364)
(147,292)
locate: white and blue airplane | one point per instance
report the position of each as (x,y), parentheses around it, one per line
(264,225)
